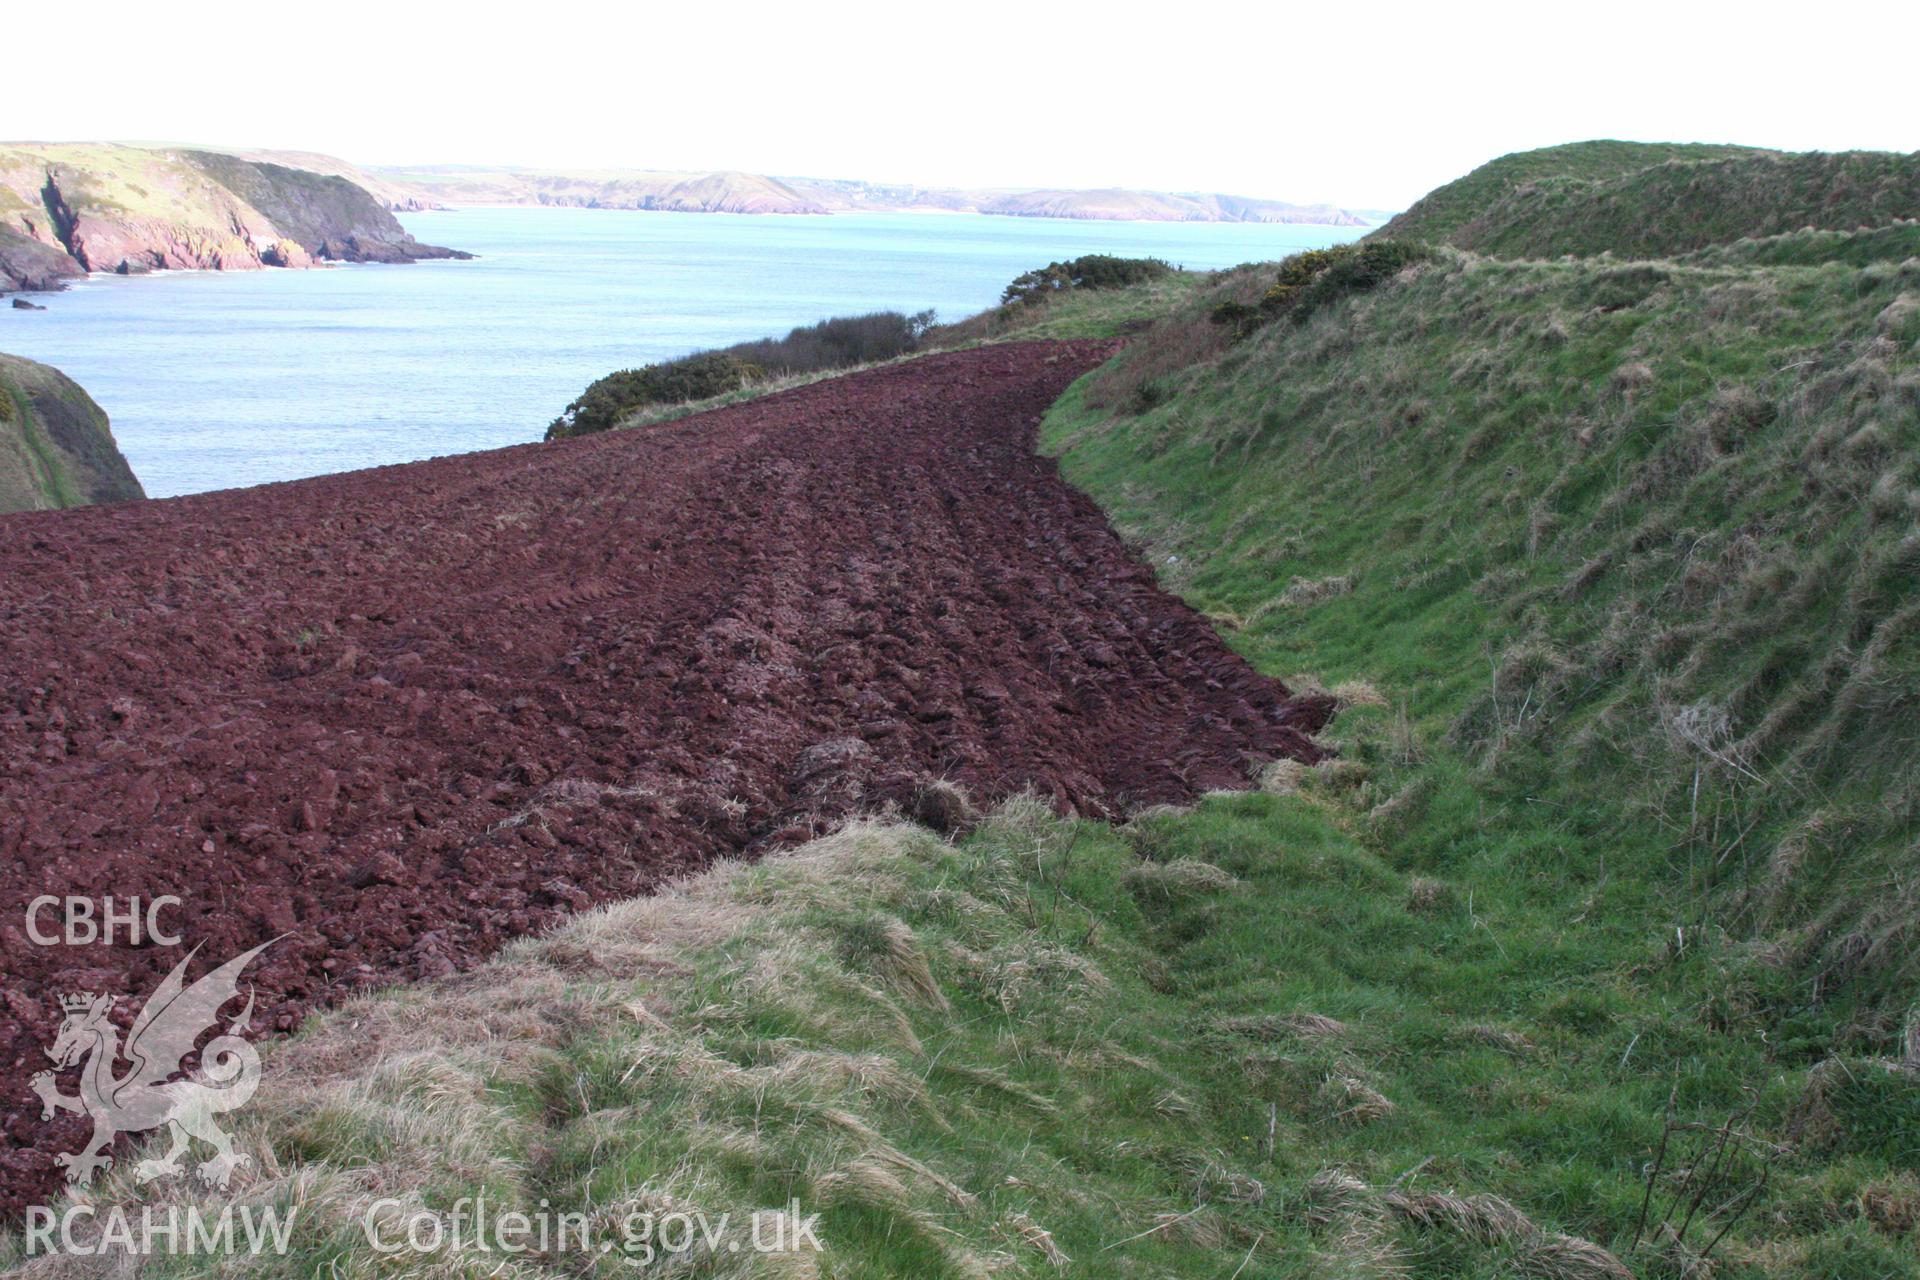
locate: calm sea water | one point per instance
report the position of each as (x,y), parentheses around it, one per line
(215,380)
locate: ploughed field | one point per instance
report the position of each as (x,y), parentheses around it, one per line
(396,717)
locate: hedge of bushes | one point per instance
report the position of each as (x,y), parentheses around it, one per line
(839,343)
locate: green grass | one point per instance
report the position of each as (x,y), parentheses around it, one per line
(1638,519)
(1894,242)
(1673,209)
(1634,554)
(1441,213)
(56,447)
(36,477)
(1075,313)
(1239,1036)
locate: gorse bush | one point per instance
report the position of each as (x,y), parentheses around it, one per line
(1094,271)
(1311,280)
(839,343)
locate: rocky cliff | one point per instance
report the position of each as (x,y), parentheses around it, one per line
(56,447)
(66,209)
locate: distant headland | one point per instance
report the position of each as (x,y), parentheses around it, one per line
(67,209)
(734,192)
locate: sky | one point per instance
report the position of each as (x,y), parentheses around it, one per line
(1362,107)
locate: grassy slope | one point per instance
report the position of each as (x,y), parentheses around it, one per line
(1635,553)
(1235,1038)
(56,447)
(985,1060)
(1678,208)
(108,180)
(214,207)
(1442,212)
(307,207)
(31,477)
(1078,313)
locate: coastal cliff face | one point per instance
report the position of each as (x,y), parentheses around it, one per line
(27,263)
(66,209)
(56,447)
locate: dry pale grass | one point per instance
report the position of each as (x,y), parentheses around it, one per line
(1358,693)
(1348,1099)
(1270,1028)
(1283,777)
(1342,1205)
(1015,974)
(391,1095)
(1302,592)
(1179,880)
(1426,895)
(1038,1238)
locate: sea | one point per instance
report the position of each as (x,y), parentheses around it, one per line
(219,379)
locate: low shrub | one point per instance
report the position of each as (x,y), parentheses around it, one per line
(1149,396)
(1236,315)
(839,343)
(1311,280)
(695,377)
(1093,271)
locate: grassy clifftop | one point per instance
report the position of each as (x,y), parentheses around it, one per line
(1442,212)
(1681,208)
(56,449)
(1630,553)
(1656,200)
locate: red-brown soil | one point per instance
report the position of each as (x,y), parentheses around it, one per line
(402,715)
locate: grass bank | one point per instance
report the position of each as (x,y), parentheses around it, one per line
(1236,1040)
